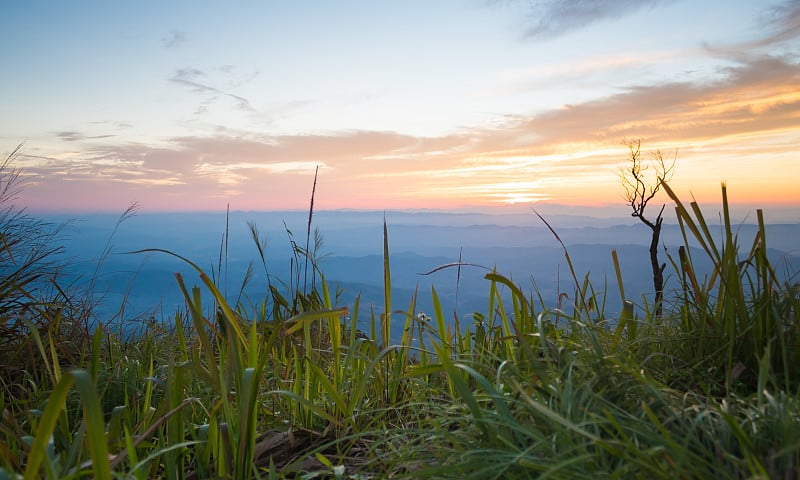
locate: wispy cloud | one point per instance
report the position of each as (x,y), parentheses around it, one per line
(71,136)
(237,173)
(783,22)
(581,71)
(194,80)
(175,39)
(777,25)
(552,18)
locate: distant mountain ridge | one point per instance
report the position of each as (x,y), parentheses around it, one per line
(351,255)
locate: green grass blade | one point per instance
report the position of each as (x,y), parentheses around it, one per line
(47,422)
(93,414)
(299,321)
(386,318)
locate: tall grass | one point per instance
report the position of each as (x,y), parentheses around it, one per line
(740,317)
(34,302)
(291,387)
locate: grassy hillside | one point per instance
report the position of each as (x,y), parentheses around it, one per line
(287,386)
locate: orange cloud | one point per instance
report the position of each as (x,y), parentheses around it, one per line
(742,128)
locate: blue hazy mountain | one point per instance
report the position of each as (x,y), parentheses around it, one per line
(139,285)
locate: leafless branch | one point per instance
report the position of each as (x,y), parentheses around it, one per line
(638,190)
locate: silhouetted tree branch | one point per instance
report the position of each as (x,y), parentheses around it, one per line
(639,191)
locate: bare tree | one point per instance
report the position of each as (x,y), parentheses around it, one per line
(639,191)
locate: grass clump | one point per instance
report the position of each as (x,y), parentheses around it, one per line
(290,387)
(42,319)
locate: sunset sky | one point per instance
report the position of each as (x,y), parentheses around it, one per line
(190,105)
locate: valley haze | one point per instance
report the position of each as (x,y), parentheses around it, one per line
(132,288)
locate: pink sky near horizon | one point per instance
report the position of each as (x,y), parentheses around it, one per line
(535,109)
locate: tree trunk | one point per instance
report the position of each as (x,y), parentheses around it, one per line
(658,270)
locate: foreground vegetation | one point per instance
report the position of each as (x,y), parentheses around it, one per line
(288,387)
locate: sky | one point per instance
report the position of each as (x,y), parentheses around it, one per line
(447,104)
